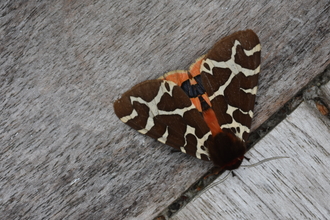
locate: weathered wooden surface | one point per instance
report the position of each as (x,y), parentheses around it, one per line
(64,154)
(325,94)
(293,188)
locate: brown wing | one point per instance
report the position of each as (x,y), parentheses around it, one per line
(162,110)
(230,76)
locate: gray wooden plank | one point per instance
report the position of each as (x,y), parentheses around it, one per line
(64,154)
(325,94)
(293,188)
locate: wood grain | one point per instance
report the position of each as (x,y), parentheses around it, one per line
(293,188)
(325,94)
(64,154)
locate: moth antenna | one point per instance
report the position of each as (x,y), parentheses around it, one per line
(246,158)
(212,185)
(231,172)
(265,160)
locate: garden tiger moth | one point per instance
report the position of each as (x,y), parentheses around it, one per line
(205,111)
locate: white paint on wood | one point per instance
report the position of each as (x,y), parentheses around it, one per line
(294,188)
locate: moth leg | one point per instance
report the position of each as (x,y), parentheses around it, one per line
(248,159)
(175,150)
(214,172)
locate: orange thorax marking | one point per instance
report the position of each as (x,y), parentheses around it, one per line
(180,76)
(212,121)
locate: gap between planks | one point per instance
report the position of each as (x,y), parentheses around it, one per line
(282,189)
(314,92)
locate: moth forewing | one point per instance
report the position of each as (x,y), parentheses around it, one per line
(205,111)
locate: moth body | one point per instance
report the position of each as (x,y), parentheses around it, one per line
(205,111)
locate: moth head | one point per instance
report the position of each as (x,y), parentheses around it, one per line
(228,151)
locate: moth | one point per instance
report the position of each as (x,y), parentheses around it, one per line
(205,111)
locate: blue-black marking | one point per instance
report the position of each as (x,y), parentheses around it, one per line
(193,91)
(204,104)
(196,90)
